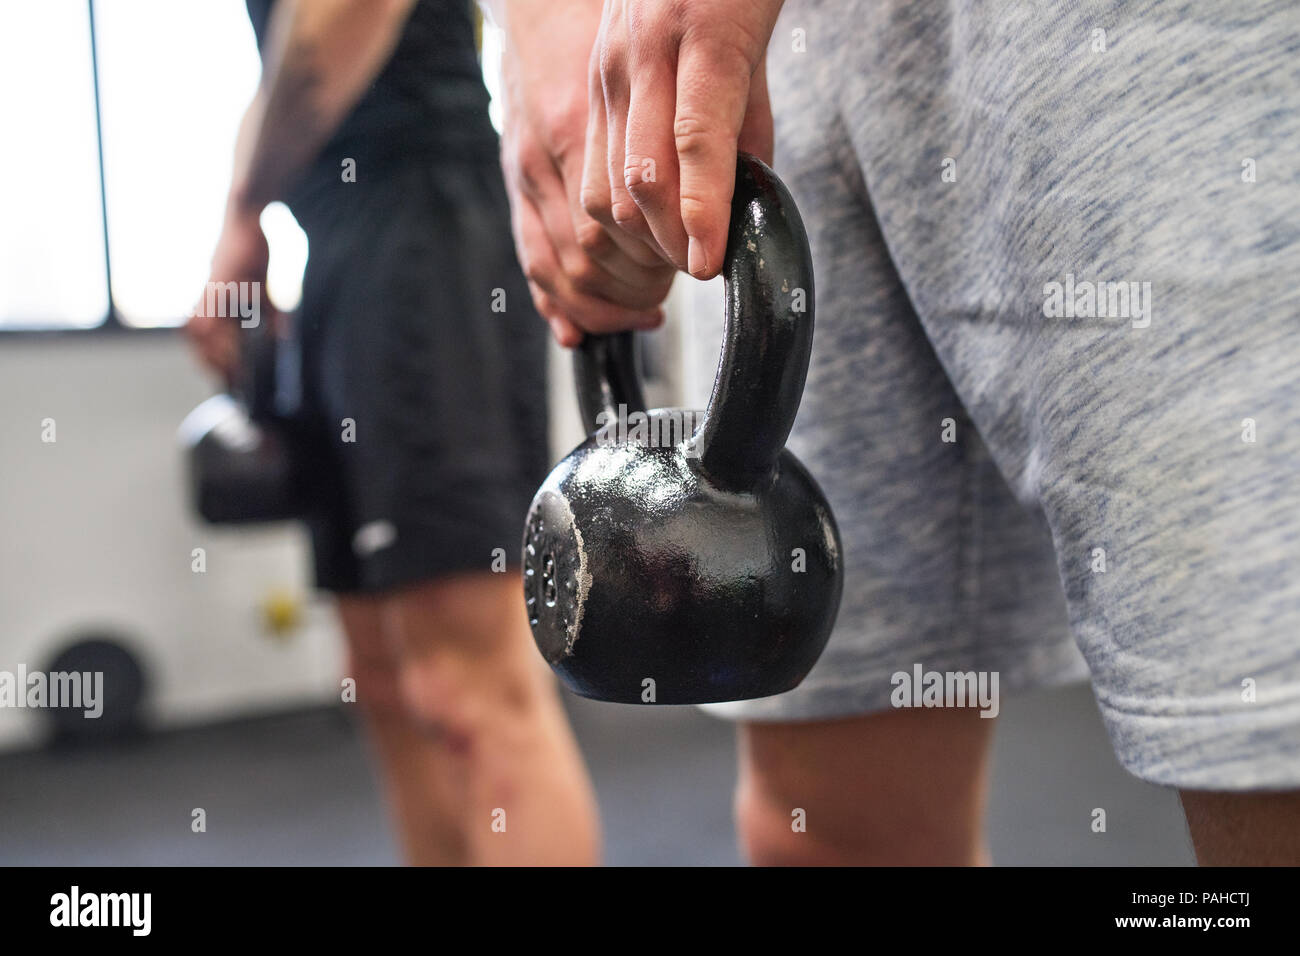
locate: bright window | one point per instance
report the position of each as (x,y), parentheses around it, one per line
(52,269)
(174,80)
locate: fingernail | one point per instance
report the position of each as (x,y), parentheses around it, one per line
(696,261)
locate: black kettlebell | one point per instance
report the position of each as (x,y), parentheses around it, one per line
(241,467)
(679,565)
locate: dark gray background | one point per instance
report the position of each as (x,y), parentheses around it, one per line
(297,789)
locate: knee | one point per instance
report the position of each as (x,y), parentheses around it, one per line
(468,664)
(377,680)
(463,701)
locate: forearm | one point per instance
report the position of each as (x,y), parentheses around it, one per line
(319,58)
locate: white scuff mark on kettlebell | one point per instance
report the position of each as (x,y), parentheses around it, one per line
(828,534)
(749,244)
(582,589)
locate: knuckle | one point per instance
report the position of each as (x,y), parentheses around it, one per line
(532,272)
(529,163)
(567,140)
(587,277)
(625,213)
(643,194)
(595,204)
(638,176)
(528,179)
(591,237)
(692,134)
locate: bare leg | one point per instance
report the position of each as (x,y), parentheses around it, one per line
(473,682)
(409,761)
(1244,829)
(904,787)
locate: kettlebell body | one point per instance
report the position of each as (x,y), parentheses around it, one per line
(239,471)
(240,464)
(689,557)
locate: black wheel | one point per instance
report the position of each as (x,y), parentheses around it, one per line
(106,669)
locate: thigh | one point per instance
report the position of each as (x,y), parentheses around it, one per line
(1109,282)
(901,787)
(943,567)
(474,615)
(427,386)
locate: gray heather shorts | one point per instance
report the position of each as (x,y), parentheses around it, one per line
(1076,254)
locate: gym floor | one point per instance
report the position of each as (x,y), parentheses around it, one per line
(296,789)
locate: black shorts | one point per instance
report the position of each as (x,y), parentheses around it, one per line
(422,422)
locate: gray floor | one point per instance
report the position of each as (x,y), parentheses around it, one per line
(296,789)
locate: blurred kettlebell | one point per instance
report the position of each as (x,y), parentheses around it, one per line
(685,565)
(241,468)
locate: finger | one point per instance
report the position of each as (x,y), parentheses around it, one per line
(712,91)
(594,258)
(525,230)
(594,198)
(565,332)
(638,287)
(560,298)
(650,170)
(622,256)
(535,251)
(623,210)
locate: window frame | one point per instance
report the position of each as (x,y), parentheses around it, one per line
(112,323)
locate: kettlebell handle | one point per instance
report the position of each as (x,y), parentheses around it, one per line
(604,371)
(766,339)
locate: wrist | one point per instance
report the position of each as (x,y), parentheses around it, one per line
(243,213)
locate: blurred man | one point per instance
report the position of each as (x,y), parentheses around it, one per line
(1056,300)
(422,415)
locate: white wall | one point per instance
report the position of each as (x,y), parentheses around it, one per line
(96,535)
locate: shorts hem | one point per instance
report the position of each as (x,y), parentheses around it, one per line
(846,698)
(1256,747)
